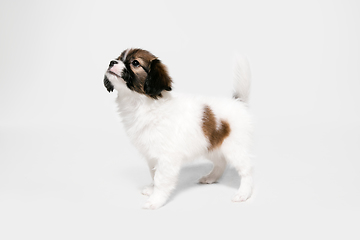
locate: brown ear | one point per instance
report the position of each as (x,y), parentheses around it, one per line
(157,80)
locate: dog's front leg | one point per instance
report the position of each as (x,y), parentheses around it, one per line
(148,190)
(165,179)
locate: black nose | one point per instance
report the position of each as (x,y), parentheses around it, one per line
(112,63)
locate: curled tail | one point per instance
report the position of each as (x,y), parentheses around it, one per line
(242,77)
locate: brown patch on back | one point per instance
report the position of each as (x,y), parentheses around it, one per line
(215,135)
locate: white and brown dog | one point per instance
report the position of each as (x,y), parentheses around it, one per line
(170,130)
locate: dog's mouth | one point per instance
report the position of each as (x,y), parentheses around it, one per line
(113,73)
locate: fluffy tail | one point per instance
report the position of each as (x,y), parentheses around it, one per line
(242,77)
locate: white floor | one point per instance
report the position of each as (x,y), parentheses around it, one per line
(72,183)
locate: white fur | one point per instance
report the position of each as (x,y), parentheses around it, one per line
(168,132)
(126,53)
(242,78)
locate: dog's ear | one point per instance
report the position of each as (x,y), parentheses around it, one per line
(157,80)
(108,84)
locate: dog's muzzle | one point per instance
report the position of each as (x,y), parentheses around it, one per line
(115,69)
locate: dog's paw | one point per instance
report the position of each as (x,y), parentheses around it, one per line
(148,190)
(155,201)
(152,205)
(241,196)
(207,180)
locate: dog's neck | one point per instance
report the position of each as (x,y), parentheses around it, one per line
(131,105)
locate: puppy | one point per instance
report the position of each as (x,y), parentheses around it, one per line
(170,130)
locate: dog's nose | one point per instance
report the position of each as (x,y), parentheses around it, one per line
(112,63)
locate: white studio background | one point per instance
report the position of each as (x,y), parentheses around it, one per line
(68,171)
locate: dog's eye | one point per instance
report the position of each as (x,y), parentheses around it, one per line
(135,63)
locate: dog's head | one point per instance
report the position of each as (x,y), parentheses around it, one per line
(139,71)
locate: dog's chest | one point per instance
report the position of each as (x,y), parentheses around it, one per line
(147,131)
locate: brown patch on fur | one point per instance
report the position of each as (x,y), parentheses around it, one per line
(215,135)
(158,79)
(143,56)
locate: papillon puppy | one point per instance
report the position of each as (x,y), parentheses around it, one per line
(170,130)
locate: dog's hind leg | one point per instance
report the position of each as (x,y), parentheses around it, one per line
(241,160)
(219,165)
